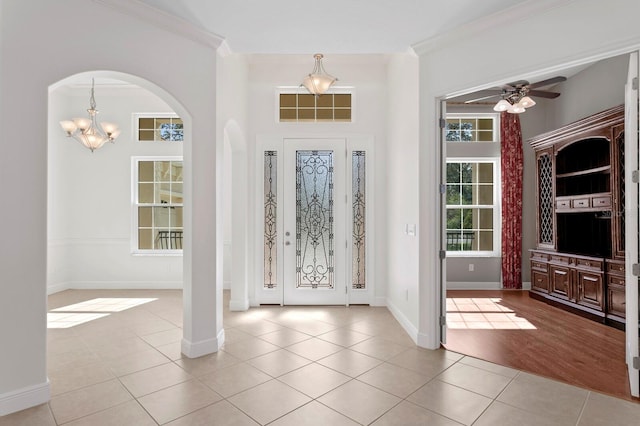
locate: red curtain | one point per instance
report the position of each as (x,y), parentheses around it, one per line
(511,172)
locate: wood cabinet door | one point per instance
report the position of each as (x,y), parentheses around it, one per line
(616,301)
(590,290)
(560,281)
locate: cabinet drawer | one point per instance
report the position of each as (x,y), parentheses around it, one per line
(563,204)
(540,281)
(601,201)
(538,256)
(541,266)
(589,264)
(564,260)
(614,280)
(580,203)
(615,268)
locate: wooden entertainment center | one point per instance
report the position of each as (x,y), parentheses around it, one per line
(579,260)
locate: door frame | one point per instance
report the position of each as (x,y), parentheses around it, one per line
(275,142)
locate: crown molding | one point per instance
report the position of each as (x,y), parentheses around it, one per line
(164,20)
(471,29)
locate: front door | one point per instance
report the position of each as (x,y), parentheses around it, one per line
(314,216)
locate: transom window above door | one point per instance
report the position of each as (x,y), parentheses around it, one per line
(304,107)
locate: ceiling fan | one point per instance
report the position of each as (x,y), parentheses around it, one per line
(515,96)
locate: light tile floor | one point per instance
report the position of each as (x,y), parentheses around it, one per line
(283,366)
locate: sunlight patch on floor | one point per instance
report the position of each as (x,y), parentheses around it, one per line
(483,313)
(89,310)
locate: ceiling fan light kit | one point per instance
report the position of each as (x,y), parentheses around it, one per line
(515,96)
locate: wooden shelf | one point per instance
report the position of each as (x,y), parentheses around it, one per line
(603,169)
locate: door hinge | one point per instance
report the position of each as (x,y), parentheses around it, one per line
(443,188)
(636,362)
(345,289)
(443,123)
(634,83)
(443,254)
(635,176)
(443,321)
(635,269)
(346,243)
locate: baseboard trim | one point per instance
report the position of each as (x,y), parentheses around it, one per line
(24,398)
(473,285)
(526,285)
(57,288)
(124,285)
(204,347)
(239,305)
(411,330)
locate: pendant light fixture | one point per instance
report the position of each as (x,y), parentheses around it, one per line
(87,131)
(318,81)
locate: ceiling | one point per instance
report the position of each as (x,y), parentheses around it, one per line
(330,26)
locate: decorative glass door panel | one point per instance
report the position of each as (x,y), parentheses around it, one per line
(314,222)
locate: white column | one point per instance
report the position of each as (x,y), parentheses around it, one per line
(202,328)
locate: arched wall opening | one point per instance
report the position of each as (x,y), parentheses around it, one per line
(91,227)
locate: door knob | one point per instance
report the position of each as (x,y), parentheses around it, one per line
(287,233)
(287,243)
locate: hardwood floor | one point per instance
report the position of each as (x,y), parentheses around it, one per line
(509,328)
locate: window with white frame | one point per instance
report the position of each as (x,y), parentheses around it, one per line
(471,128)
(158,127)
(158,201)
(473,211)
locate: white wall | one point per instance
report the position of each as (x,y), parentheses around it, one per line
(367,74)
(90,199)
(401,167)
(43,42)
(558,34)
(594,89)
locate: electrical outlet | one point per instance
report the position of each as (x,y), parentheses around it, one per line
(471,267)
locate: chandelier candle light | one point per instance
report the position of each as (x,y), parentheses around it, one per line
(87,131)
(318,81)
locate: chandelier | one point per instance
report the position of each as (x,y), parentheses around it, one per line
(318,81)
(87,131)
(515,102)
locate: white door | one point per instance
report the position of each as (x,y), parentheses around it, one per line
(631,224)
(314,213)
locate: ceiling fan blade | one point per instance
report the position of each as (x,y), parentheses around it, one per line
(548,82)
(514,85)
(544,94)
(482,95)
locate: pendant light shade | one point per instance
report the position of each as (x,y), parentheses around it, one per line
(318,81)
